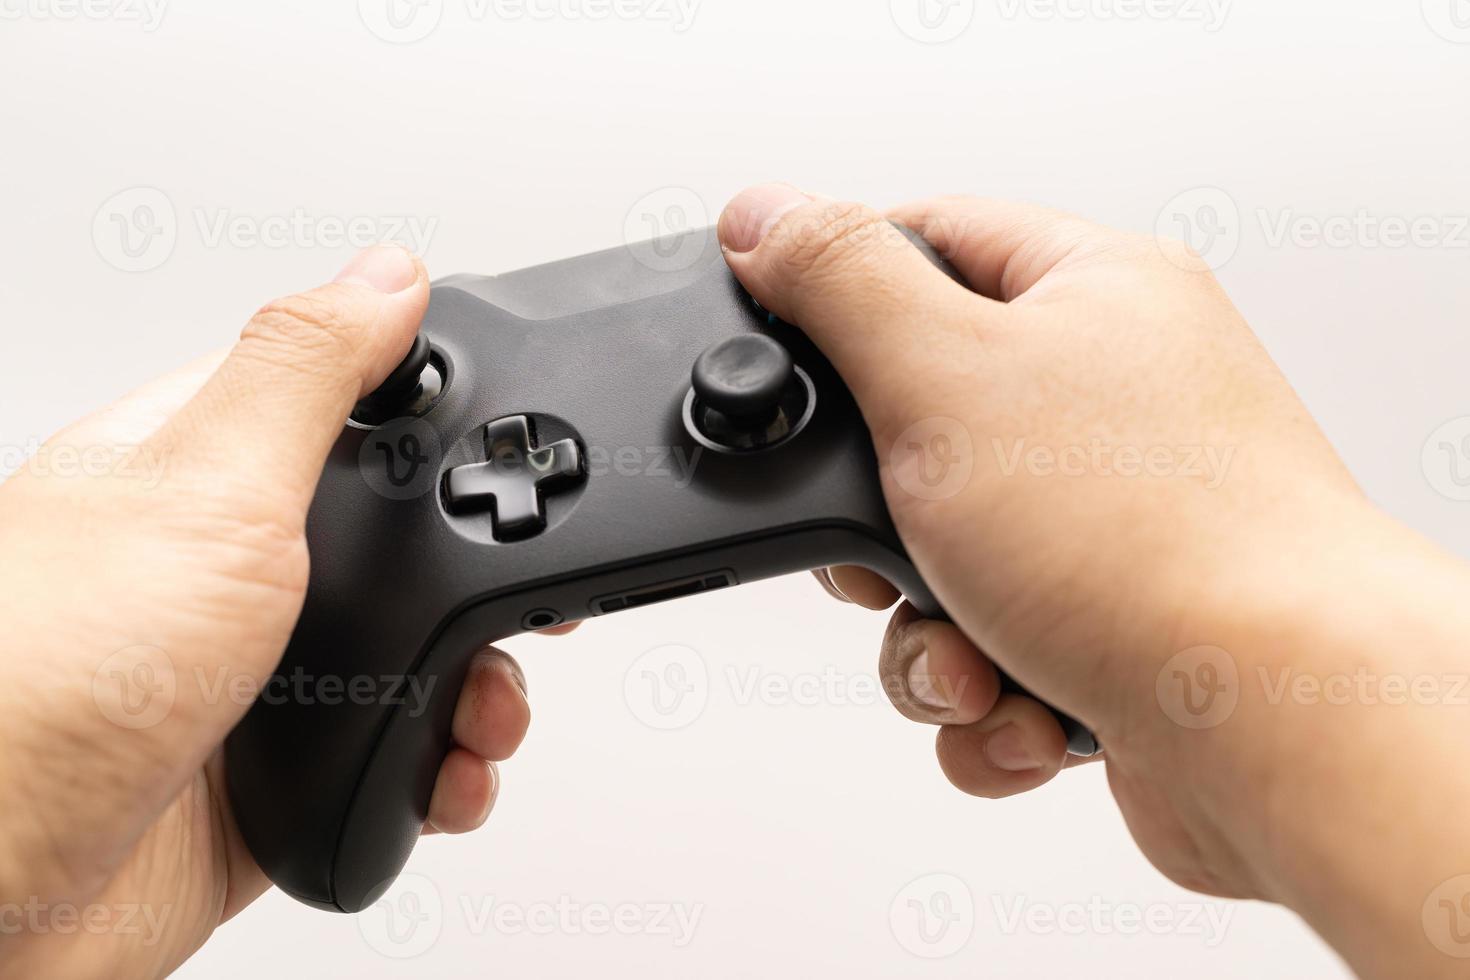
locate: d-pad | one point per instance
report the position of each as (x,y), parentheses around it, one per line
(515,479)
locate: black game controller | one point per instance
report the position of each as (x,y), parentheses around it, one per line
(566,441)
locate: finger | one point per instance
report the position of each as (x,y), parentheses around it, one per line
(493,714)
(464,793)
(861,290)
(849,583)
(278,402)
(933,674)
(1002,248)
(561,630)
(1017,747)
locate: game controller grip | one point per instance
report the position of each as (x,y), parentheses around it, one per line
(332,799)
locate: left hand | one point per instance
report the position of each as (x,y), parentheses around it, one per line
(162,542)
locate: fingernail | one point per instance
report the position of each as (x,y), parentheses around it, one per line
(386,268)
(825,575)
(754,212)
(494,791)
(923,686)
(1007,749)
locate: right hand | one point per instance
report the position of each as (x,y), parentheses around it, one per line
(1096,467)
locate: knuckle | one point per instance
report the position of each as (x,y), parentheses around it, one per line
(835,237)
(1180,254)
(258,541)
(312,320)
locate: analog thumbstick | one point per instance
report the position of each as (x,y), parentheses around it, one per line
(748,395)
(409,390)
(745,379)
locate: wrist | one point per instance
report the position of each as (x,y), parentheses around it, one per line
(1340,731)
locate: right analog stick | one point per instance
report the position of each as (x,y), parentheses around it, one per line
(748,394)
(744,378)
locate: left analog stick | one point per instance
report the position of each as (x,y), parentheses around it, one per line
(409,389)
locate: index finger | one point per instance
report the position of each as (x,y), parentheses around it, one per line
(1002,248)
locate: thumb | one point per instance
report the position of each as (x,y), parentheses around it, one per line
(268,417)
(880,311)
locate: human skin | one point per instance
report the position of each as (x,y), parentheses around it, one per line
(194,553)
(1103,588)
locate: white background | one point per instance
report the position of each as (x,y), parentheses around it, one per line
(793,830)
